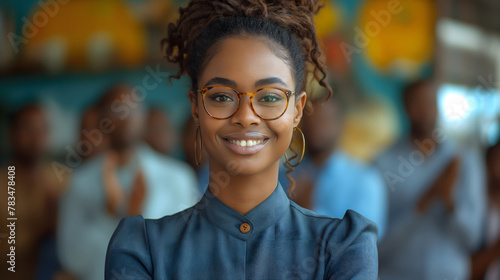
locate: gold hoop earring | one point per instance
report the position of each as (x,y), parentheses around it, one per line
(197,152)
(303,148)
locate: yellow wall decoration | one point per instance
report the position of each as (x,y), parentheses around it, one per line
(327,20)
(88,35)
(399,34)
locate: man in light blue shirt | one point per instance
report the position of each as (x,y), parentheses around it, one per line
(128,179)
(328,180)
(436,198)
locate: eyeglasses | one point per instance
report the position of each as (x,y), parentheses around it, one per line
(222,102)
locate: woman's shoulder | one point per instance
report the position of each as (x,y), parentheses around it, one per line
(351,217)
(352,228)
(150,227)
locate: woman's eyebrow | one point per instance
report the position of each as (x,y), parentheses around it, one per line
(270,80)
(221,81)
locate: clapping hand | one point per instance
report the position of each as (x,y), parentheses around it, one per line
(442,188)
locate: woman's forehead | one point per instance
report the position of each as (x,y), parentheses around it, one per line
(245,61)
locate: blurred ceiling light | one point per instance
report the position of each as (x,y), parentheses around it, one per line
(461,35)
(469,112)
(454,103)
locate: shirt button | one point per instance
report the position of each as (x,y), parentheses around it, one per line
(244,228)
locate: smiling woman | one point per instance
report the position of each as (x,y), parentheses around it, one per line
(247,63)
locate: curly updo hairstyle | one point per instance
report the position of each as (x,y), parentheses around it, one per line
(286,26)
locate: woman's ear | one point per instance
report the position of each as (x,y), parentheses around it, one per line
(194,106)
(300,103)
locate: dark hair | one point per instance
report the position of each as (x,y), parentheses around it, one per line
(287,25)
(204,48)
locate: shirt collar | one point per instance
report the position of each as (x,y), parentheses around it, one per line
(259,218)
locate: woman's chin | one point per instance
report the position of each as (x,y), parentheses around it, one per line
(245,166)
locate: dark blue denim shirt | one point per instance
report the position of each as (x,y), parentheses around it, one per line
(276,240)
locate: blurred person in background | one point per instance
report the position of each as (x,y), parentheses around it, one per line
(127,179)
(436,198)
(89,125)
(37,191)
(160,134)
(329,181)
(188,142)
(486,262)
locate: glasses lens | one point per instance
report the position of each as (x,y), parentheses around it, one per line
(270,103)
(221,102)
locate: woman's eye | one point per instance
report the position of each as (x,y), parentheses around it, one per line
(221,97)
(270,98)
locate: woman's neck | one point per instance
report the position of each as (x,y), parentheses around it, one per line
(243,192)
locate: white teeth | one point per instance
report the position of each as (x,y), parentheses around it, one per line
(245,143)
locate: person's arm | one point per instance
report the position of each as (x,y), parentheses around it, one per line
(442,188)
(128,255)
(461,189)
(470,204)
(354,249)
(481,261)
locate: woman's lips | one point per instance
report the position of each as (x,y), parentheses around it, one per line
(245,143)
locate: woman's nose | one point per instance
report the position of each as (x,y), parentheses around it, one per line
(245,116)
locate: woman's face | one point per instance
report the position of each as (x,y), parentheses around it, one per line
(246,64)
